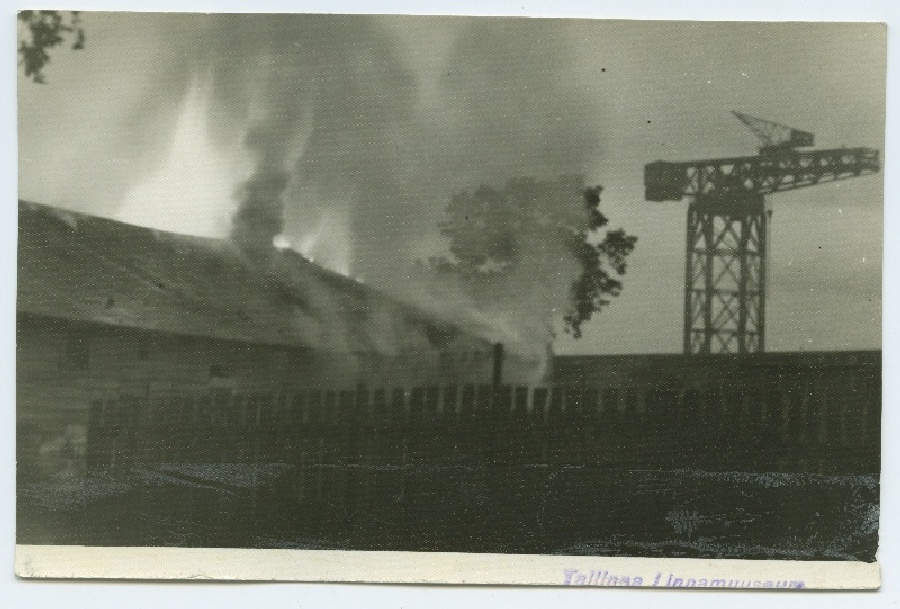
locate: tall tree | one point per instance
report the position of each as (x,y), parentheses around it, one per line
(40,31)
(534,248)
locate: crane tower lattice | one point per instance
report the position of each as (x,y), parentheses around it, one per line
(728,223)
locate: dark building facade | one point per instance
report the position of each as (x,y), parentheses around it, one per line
(107,311)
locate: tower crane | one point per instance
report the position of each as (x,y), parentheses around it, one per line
(727,227)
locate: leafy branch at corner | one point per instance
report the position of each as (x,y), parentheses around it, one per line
(534,240)
(40,31)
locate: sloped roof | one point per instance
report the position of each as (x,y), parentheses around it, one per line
(76,266)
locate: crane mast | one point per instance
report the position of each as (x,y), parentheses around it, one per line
(728,223)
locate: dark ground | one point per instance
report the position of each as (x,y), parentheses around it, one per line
(572,510)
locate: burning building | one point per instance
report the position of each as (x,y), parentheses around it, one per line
(258,398)
(111,311)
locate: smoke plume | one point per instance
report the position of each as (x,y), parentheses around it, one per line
(380,120)
(260,215)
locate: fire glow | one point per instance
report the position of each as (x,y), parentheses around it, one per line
(191,193)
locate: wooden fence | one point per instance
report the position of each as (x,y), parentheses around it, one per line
(784,425)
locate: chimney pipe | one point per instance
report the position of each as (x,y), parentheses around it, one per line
(497,378)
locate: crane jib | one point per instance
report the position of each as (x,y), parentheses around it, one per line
(771,171)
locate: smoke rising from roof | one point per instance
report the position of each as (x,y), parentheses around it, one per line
(260,215)
(376,122)
(105,124)
(390,118)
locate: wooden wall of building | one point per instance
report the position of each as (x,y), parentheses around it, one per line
(62,365)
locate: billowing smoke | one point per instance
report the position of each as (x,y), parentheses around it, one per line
(522,285)
(263,75)
(380,120)
(260,215)
(494,99)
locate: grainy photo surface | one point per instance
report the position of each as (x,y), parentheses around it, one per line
(450,284)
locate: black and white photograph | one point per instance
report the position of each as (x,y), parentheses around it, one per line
(487,285)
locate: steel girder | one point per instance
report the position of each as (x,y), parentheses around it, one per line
(725,274)
(775,171)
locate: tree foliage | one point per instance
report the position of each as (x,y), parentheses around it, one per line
(595,285)
(40,31)
(537,245)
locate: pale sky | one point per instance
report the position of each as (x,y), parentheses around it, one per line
(145,125)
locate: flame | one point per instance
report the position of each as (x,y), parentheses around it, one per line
(329,243)
(192,192)
(282,243)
